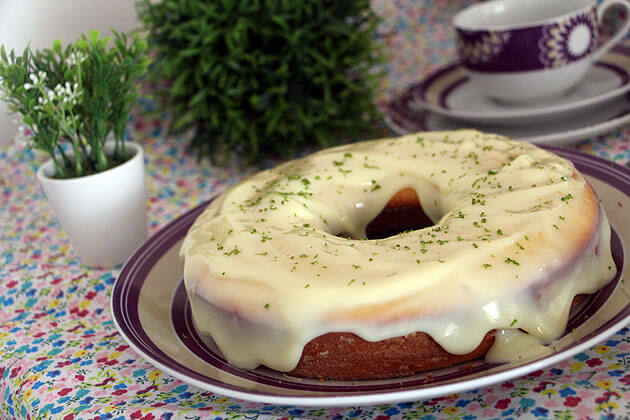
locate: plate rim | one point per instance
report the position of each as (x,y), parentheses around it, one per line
(620,180)
(549,139)
(419,90)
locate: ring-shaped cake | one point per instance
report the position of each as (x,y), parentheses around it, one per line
(280,269)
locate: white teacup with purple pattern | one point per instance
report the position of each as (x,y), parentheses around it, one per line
(528,50)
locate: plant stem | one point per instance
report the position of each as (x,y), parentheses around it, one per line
(66,160)
(78,158)
(88,161)
(123,150)
(101,159)
(60,171)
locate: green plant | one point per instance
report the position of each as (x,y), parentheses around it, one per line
(256,76)
(77,95)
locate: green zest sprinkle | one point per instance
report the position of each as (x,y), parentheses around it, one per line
(513,322)
(566,198)
(267,306)
(235,251)
(487,266)
(509,260)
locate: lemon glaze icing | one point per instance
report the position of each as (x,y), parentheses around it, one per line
(518,233)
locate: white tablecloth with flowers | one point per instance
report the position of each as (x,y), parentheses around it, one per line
(61,356)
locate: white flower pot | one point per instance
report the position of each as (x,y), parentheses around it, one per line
(105,214)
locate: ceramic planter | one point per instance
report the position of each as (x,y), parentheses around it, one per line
(103,214)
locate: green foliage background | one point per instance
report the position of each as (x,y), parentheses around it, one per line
(265,76)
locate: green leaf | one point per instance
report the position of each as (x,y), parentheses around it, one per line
(94,37)
(57,46)
(82,44)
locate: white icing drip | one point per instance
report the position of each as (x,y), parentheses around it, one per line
(266,273)
(514,345)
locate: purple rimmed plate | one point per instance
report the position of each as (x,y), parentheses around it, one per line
(404,117)
(448,92)
(152,313)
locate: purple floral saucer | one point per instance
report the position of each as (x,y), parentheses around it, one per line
(404,116)
(448,92)
(152,312)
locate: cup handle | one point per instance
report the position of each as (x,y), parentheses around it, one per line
(601,10)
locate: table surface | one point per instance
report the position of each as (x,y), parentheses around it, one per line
(62,357)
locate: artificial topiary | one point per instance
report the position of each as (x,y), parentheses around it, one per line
(265,76)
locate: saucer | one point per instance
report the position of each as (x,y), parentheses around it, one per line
(449,92)
(404,118)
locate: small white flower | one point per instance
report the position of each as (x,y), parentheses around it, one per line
(24,136)
(42,76)
(75,58)
(28,86)
(34,78)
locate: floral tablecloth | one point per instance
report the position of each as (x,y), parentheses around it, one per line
(61,356)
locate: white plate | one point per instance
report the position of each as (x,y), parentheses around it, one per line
(448,92)
(404,118)
(151,311)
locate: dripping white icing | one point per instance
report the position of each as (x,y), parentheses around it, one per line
(516,234)
(515,345)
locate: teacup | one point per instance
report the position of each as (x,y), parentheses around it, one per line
(529,50)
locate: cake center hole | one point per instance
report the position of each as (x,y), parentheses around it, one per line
(403,212)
